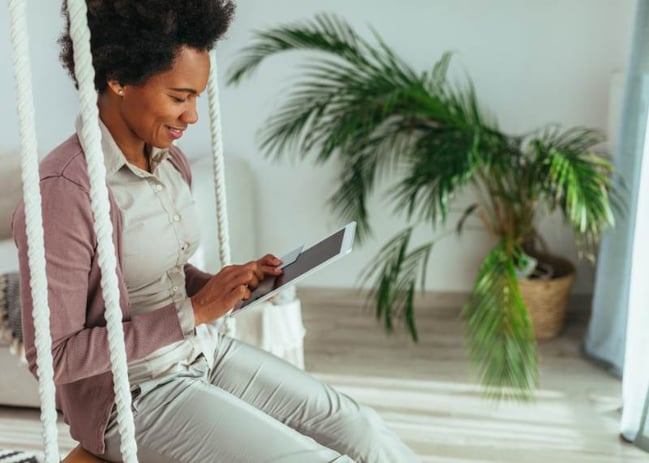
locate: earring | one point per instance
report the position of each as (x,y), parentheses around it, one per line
(120,92)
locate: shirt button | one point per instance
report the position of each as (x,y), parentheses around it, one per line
(176,218)
(184,246)
(174,289)
(158,188)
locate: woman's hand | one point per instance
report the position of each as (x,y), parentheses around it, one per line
(232,284)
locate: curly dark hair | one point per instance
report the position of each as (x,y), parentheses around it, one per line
(134,40)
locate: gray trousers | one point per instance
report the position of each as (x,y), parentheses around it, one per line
(252,407)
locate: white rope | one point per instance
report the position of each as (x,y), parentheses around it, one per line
(91,139)
(228,326)
(34,225)
(219,166)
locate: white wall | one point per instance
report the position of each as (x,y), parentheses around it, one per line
(532,62)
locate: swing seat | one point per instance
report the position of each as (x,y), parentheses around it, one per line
(79,455)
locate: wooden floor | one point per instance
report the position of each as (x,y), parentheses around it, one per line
(427,394)
(426,391)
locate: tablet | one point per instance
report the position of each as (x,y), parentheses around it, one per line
(298,264)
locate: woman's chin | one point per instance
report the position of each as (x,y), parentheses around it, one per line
(162,144)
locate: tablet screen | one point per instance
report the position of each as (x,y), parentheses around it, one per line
(311,258)
(308,260)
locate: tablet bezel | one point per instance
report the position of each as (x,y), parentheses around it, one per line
(345,248)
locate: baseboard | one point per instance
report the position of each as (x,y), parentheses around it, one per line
(579,305)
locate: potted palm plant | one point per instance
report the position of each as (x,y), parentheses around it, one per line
(362,104)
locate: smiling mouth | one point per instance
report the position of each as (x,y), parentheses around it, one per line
(175,133)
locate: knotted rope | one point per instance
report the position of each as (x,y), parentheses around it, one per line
(91,140)
(34,225)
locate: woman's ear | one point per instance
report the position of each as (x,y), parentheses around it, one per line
(116,87)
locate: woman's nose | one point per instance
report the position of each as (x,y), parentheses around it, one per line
(190,115)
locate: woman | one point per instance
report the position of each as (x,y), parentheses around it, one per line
(191,403)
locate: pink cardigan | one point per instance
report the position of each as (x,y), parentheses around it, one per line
(79,336)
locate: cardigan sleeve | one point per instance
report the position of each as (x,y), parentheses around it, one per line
(79,334)
(195,279)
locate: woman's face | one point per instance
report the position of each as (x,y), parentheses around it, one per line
(159,111)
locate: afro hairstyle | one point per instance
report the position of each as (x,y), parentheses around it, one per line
(133,40)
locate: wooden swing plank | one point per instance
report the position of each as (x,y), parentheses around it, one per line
(79,455)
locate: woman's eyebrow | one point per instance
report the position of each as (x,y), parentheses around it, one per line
(182,89)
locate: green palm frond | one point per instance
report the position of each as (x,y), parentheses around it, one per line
(325,33)
(396,272)
(577,180)
(350,199)
(501,342)
(466,213)
(442,161)
(355,101)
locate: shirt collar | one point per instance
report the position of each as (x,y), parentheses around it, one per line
(114,159)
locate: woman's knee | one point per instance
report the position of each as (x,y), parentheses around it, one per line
(368,440)
(371,423)
(363,427)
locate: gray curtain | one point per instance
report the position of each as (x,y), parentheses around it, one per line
(606,337)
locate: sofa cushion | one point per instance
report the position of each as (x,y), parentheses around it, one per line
(10,189)
(18,388)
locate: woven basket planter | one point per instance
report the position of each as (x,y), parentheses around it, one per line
(547,299)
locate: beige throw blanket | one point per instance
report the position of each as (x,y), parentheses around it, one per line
(10,321)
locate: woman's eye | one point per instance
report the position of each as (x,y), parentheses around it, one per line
(178,100)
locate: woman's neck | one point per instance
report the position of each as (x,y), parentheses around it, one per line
(134,149)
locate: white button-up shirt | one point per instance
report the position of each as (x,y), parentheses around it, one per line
(160,233)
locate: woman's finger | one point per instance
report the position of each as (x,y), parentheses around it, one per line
(253,280)
(237,294)
(255,267)
(270,260)
(237,276)
(270,270)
